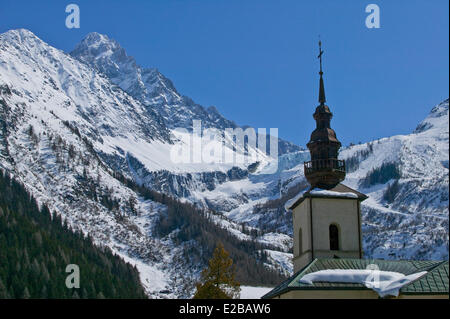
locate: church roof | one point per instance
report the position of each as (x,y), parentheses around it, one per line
(435,281)
(338,191)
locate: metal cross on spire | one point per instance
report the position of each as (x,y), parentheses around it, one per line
(320,55)
(322,98)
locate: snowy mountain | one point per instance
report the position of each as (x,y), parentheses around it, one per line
(43,90)
(152,88)
(406,215)
(166,105)
(63,129)
(76,129)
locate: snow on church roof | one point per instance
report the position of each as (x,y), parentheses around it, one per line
(433,279)
(385,283)
(327,193)
(339,191)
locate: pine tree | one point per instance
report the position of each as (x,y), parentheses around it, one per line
(218,280)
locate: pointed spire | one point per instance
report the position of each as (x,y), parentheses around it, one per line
(322,98)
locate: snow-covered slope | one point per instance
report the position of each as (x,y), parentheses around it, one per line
(72,91)
(407,180)
(40,89)
(63,127)
(406,216)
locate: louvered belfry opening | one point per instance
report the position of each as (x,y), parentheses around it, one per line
(324,170)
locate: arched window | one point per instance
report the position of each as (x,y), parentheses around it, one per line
(334,237)
(300,244)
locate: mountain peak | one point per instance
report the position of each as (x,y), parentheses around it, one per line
(96,45)
(150,86)
(22,32)
(95,36)
(19,35)
(95,39)
(105,54)
(440,108)
(437,118)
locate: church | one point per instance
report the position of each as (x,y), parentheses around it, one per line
(328,255)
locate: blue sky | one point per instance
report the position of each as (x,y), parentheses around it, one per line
(256,60)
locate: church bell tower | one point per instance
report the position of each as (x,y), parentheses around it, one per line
(324,170)
(326,217)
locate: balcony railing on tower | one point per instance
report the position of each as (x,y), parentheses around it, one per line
(324,164)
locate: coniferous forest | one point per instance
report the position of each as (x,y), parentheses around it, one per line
(196,224)
(36,247)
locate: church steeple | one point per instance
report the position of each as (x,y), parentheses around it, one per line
(325,224)
(324,170)
(322,98)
